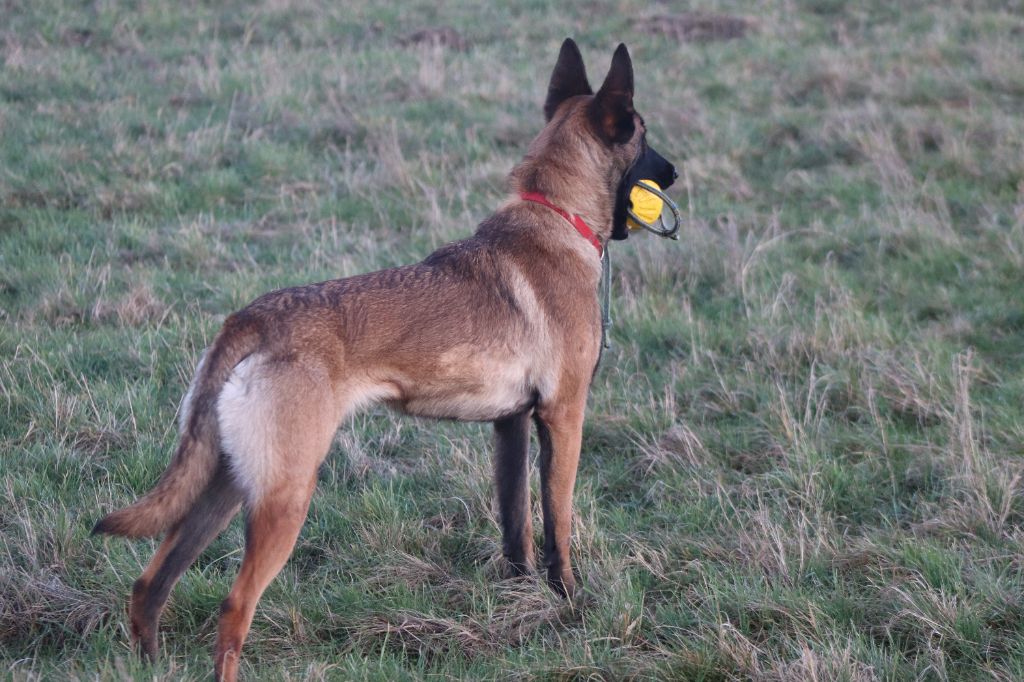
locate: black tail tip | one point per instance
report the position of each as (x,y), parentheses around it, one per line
(101,528)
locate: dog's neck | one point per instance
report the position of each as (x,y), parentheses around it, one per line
(577,182)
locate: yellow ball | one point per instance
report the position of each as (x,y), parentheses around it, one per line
(646,206)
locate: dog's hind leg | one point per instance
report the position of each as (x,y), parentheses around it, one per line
(272,527)
(285,421)
(512,483)
(212,511)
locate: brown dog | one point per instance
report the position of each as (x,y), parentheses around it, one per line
(501,327)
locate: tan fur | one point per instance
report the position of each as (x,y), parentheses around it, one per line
(497,327)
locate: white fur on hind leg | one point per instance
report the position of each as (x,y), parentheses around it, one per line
(245,415)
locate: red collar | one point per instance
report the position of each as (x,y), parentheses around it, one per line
(575,220)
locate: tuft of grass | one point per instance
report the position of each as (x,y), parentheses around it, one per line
(802,458)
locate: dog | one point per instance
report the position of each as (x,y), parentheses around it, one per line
(503,326)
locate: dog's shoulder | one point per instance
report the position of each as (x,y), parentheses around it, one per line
(493,239)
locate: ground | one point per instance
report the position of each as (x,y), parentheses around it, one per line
(803,454)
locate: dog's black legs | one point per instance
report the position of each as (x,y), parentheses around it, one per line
(512,481)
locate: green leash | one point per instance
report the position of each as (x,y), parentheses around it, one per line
(605,293)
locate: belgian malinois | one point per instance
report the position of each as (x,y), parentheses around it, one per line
(503,326)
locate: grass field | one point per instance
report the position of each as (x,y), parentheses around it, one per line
(803,455)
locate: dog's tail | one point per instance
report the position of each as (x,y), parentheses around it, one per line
(198,453)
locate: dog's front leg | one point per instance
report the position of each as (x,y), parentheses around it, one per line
(512,482)
(560,432)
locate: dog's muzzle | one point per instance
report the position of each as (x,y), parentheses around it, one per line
(641,202)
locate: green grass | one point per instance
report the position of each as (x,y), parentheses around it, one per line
(802,458)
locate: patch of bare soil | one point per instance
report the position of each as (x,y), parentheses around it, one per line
(443,36)
(698,27)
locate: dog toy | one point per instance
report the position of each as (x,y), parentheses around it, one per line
(645,204)
(646,209)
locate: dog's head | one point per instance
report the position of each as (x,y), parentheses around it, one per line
(611,119)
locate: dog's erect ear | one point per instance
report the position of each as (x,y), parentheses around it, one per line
(612,108)
(568,79)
